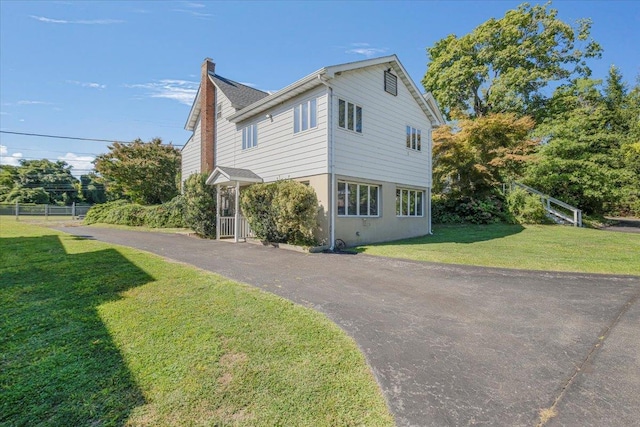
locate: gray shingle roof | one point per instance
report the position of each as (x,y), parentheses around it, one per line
(240,95)
(238,173)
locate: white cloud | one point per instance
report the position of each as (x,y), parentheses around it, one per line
(194,5)
(81,164)
(79,21)
(9,159)
(29,102)
(365,49)
(183,91)
(91,85)
(3,113)
(194,13)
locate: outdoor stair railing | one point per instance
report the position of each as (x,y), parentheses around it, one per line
(554,207)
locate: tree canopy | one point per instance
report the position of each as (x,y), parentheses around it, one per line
(503,64)
(475,156)
(38,181)
(145,172)
(590,154)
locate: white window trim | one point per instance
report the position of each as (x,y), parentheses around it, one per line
(346,200)
(422,202)
(249,136)
(418,133)
(297,114)
(346,123)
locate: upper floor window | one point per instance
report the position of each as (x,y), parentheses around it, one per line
(250,136)
(414,138)
(305,116)
(219,110)
(349,116)
(357,199)
(409,202)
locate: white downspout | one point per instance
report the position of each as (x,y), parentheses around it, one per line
(332,173)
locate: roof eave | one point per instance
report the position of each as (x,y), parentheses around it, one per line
(282,95)
(192,119)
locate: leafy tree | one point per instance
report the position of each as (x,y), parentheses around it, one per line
(588,155)
(503,64)
(26,183)
(92,189)
(475,156)
(145,172)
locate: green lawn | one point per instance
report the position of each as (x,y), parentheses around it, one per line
(535,247)
(97,334)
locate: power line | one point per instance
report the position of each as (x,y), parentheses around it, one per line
(76,138)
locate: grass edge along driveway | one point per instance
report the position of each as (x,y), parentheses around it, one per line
(530,247)
(105,335)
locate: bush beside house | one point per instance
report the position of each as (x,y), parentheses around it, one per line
(281,212)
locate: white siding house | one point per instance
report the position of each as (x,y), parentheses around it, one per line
(358,133)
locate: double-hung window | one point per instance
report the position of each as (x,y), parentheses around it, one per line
(250,136)
(414,138)
(305,115)
(358,199)
(409,202)
(349,116)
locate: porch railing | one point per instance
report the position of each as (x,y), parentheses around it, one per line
(228,227)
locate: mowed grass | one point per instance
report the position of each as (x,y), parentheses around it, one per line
(532,247)
(96,334)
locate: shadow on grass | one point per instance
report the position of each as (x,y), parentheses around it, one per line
(59,365)
(457,233)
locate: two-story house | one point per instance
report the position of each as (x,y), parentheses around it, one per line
(358,133)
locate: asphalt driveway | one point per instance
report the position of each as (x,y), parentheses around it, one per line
(454,345)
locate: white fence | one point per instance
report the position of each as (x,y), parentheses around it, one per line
(32,209)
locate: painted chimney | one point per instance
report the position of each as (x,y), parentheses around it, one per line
(207,117)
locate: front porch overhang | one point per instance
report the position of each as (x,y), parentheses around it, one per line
(223,175)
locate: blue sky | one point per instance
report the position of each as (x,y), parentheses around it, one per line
(121,70)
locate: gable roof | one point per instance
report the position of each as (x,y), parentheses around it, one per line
(323,75)
(239,94)
(226,175)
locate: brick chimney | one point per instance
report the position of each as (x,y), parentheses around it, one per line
(207,117)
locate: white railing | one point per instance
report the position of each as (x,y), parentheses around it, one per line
(227,227)
(553,206)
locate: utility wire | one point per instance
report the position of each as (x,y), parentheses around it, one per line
(40,135)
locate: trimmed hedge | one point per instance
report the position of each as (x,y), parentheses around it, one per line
(123,212)
(281,212)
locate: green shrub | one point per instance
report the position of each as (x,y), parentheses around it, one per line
(282,211)
(123,212)
(526,208)
(200,205)
(464,209)
(167,215)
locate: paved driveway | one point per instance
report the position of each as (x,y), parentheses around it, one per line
(453,345)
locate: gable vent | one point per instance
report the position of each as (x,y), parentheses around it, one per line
(390,83)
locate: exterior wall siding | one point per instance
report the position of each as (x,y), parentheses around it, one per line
(380,152)
(385,227)
(191,154)
(279,154)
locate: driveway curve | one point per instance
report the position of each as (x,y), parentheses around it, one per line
(454,345)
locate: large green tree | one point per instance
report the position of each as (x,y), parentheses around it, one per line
(589,153)
(33,179)
(504,64)
(145,172)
